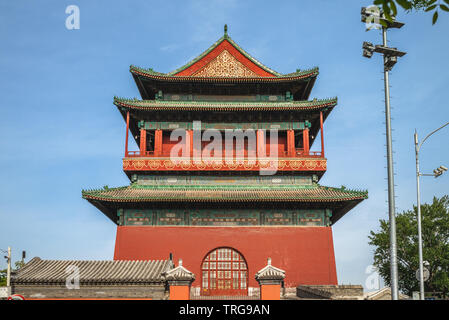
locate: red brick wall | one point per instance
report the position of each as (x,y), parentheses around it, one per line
(305,253)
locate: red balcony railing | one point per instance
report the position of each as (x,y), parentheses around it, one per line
(311,161)
(138,153)
(313,154)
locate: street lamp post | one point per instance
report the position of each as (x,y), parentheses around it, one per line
(390,55)
(436,173)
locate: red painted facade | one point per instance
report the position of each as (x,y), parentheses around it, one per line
(305,253)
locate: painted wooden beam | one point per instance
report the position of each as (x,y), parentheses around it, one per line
(165,125)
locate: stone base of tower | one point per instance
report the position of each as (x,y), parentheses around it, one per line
(305,253)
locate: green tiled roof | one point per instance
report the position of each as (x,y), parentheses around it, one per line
(207,105)
(141,193)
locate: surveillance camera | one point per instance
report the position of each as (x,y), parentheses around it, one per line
(443,168)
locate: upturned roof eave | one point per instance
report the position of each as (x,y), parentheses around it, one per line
(102,195)
(238,106)
(295,76)
(342,204)
(224,200)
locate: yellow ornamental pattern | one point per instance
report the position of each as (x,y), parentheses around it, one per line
(281,164)
(225,65)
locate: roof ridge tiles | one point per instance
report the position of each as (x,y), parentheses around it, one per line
(92,271)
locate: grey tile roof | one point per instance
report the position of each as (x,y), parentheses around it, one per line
(270,272)
(109,272)
(179,274)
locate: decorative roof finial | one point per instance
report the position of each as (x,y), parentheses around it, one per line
(269,261)
(226,30)
(180,263)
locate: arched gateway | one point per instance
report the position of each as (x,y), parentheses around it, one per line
(224,272)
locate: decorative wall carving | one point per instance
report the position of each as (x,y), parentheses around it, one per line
(243,165)
(225,65)
(226,217)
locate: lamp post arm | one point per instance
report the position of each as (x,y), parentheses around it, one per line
(418,207)
(419,147)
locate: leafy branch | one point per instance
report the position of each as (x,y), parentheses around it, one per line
(390,7)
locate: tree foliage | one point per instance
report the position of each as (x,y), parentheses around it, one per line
(2,278)
(18,265)
(390,7)
(435,234)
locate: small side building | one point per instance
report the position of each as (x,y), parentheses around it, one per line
(77,279)
(330,292)
(383,294)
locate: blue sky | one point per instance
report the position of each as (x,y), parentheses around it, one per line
(61,133)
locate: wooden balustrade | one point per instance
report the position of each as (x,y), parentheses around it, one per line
(300,153)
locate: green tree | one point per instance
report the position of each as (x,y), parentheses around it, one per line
(435,234)
(2,278)
(390,7)
(18,265)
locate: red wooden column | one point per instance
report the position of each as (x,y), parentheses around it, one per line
(305,136)
(261,147)
(158,142)
(290,143)
(322,134)
(127,133)
(143,142)
(270,279)
(189,142)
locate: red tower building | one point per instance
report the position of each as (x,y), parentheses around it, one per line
(225,209)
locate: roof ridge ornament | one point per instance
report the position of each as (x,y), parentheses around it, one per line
(179,275)
(225,30)
(270,274)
